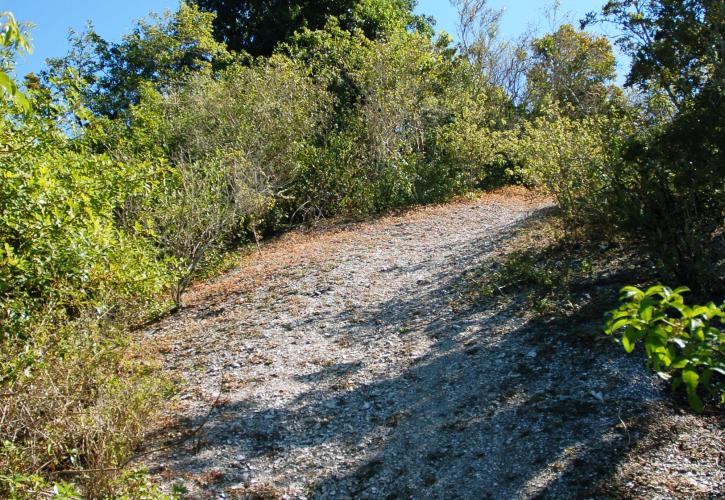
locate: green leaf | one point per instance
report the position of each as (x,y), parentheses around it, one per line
(21,101)
(617,325)
(694,324)
(695,402)
(621,313)
(679,363)
(701,311)
(630,338)
(699,334)
(658,290)
(691,379)
(6,82)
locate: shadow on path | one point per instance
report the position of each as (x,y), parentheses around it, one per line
(495,408)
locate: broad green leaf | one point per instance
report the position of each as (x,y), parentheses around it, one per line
(658,290)
(699,334)
(6,82)
(702,311)
(618,325)
(706,377)
(695,401)
(679,363)
(621,313)
(690,378)
(630,338)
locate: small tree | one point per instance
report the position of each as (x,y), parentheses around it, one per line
(571,67)
(193,218)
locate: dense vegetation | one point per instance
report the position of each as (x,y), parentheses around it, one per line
(128,168)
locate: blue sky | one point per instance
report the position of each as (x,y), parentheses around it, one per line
(113,18)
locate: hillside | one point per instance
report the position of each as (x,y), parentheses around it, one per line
(295,249)
(338,364)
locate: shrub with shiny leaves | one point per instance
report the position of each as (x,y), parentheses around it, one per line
(683,343)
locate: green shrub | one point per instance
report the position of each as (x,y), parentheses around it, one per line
(370,158)
(467,147)
(570,159)
(74,393)
(60,241)
(408,123)
(681,341)
(250,129)
(670,189)
(669,192)
(161,49)
(194,219)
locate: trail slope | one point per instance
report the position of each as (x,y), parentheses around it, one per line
(337,365)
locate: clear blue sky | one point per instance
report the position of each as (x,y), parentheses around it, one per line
(53,19)
(113,18)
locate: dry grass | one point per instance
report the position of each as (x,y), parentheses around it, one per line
(75,399)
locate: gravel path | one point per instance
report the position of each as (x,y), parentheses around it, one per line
(337,365)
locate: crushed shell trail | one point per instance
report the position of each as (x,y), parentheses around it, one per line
(348,372)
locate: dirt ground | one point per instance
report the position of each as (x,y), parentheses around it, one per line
(337,364)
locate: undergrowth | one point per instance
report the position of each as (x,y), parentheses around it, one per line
(552,275)
(75,400)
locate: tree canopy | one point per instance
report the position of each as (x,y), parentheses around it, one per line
(571,67)
(160,50)
(676,46)
(258,26)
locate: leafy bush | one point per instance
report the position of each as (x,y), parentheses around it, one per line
(408,125)
(670,190)
(570,159)
(74,395)
(60,241)
(668,173)
(369,157)
(681,341)
(194,218)
(248,131)
(573,69)
(467,147)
